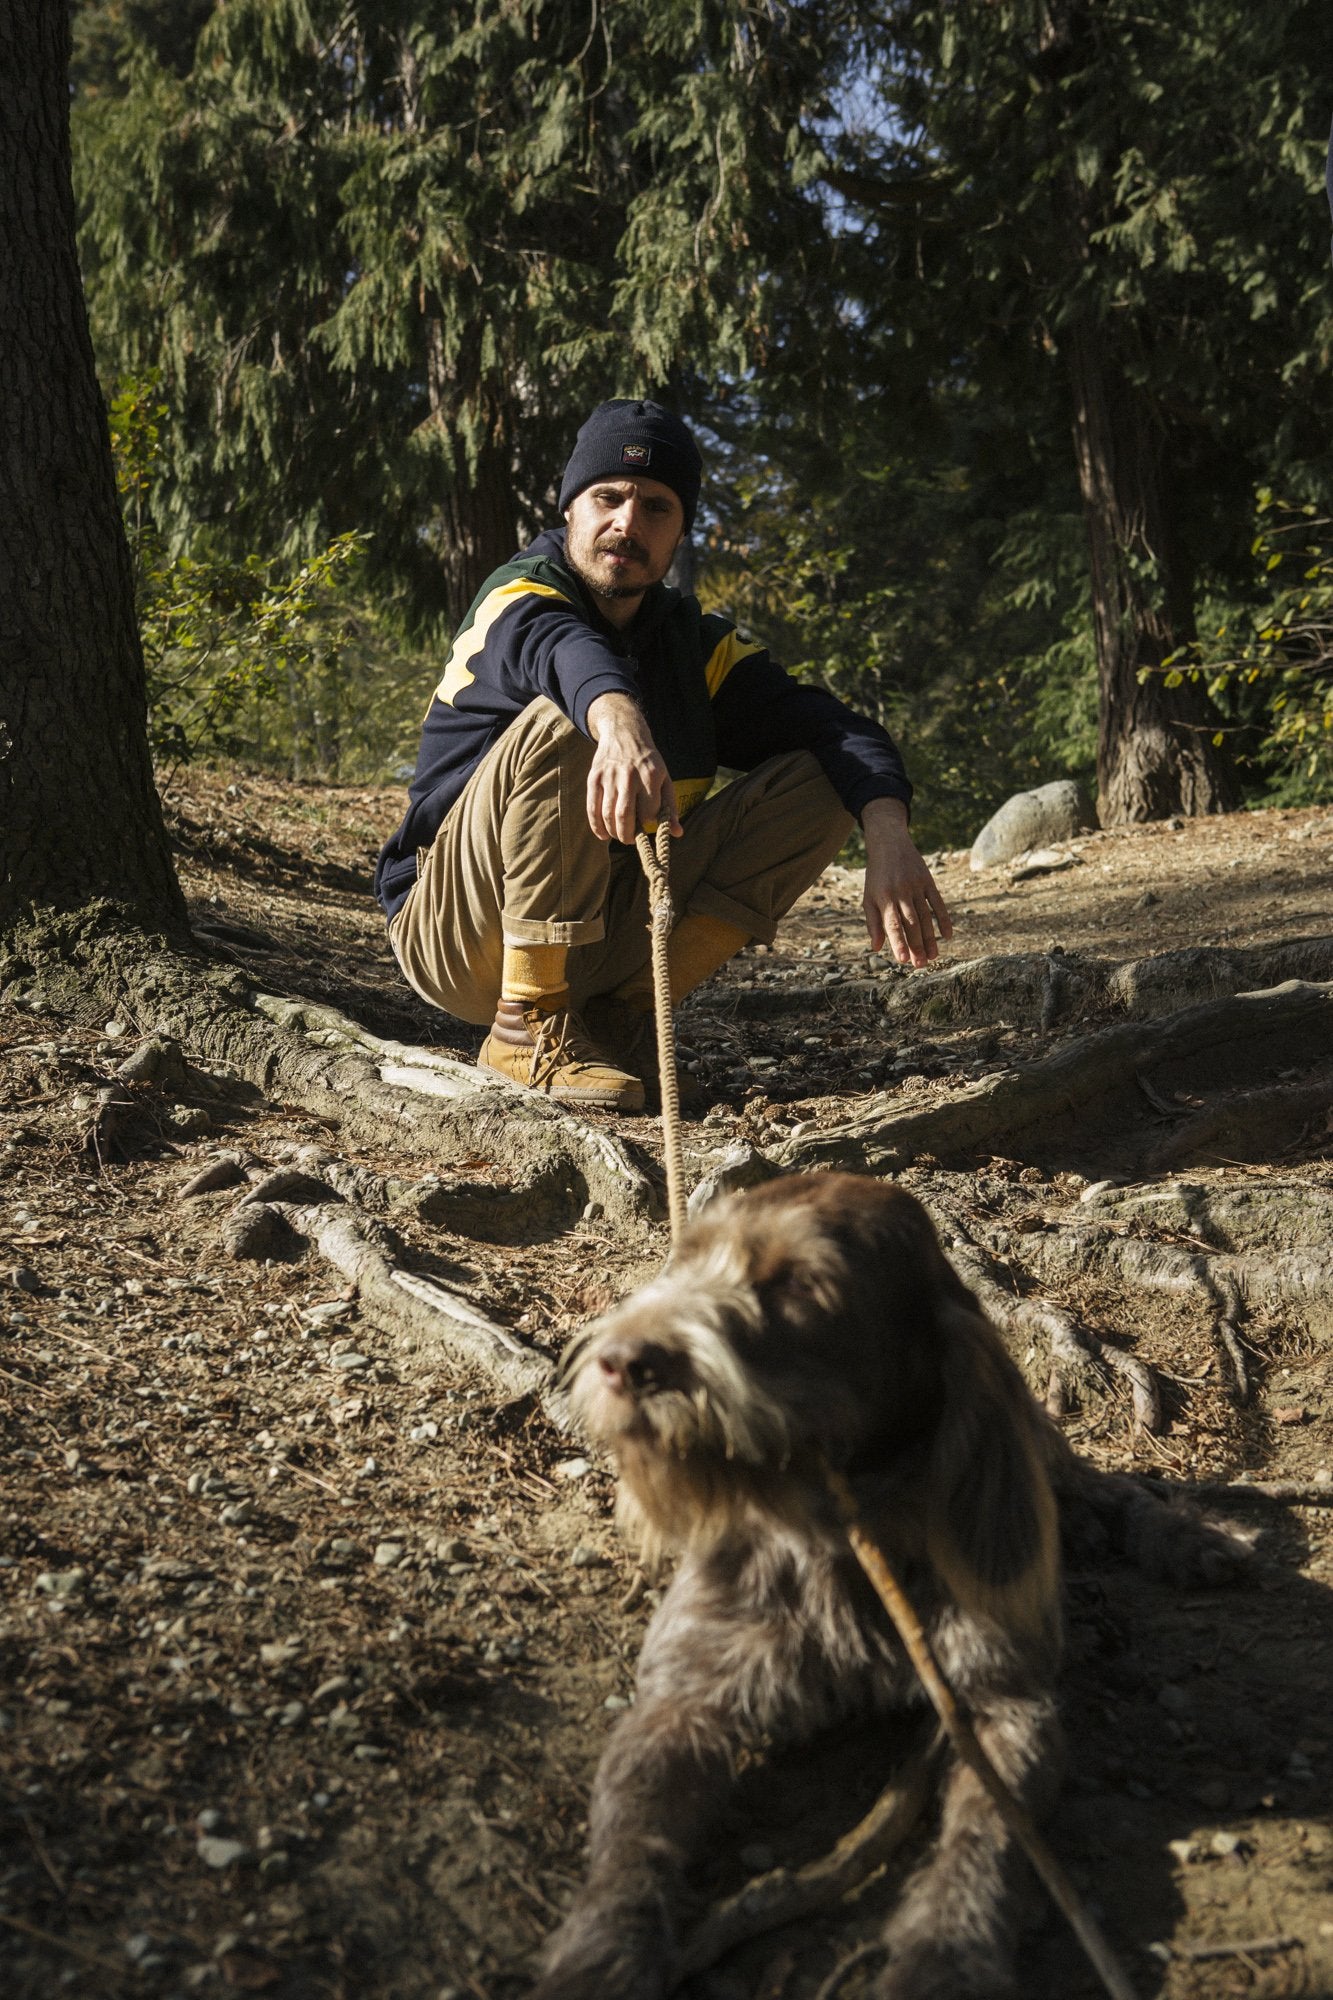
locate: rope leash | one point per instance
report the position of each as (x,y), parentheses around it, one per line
(967,1747)
(657,867)
(656,861)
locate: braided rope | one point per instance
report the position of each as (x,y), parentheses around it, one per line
(657,867)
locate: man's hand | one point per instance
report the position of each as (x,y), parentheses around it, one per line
(628,784)
(902,904)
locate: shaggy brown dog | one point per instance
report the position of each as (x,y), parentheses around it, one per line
(815,1322)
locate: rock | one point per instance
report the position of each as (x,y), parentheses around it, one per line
(388,1554)
(158,1060)
(423,1433)
(1041,861)
(581,1556)
(278,1652)
(24,1279)
(349,1362)
(1032,819)
(209,1820)
(1225,1843)
(64,1583)
(1183,1850)
(189,1121)
(742,1167)
(237,1514)
(573,1468)
(215,1852)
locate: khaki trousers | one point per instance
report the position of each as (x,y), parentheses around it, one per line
(516,862)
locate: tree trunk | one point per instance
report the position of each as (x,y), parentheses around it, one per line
(478,528)
(79,815)
(1155,749)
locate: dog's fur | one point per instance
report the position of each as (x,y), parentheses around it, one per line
(813,1322)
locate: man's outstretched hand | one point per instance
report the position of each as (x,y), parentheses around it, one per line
(902,905)
(628,785)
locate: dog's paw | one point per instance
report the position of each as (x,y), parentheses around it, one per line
(1168,1539)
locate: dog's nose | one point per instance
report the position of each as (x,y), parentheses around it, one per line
(638,1368)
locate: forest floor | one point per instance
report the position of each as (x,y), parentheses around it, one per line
(310,1645)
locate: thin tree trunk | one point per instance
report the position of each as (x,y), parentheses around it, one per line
(1155,749)
(79,815)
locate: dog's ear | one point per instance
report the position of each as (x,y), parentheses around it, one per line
(992,1528)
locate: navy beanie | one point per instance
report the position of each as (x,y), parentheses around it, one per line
(624,438)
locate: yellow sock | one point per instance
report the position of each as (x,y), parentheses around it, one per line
(696,948)
(534,973)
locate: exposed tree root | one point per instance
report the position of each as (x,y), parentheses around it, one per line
(786,1894)
(1052,1109)
(1074,1351)
(422,1315)
(1047,989)
(1254,1125)
(380,1093)
(1296,1282)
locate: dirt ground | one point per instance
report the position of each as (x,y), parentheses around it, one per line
(310,1646)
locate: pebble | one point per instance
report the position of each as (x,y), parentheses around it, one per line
(1228,1843)
(369,1468)
(582,1556)
(573,1468)
(369,1753)
(1183,1850)
(422,1433)
(388,1554)
(62,1582)
(293,1714)
(337,1685)
(215,1852)
(594,1212)
(209,1820)
(617,1701)
(277,1652)
(349,1362)
(237,1514)
(24,1279)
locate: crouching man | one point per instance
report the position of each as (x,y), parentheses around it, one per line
(582,699)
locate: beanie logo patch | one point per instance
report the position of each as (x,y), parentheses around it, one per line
(637,455)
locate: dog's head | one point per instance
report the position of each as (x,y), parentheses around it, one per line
(796,1325)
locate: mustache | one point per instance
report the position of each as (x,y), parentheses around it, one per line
(622,546)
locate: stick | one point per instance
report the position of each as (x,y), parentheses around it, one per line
(784,1894)
(657,867)
(964,1740)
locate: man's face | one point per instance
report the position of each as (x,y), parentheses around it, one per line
(621,536)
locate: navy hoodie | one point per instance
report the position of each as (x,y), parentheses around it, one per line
(710,697)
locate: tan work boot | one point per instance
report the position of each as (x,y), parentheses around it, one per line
(629,1037)
(553,1052)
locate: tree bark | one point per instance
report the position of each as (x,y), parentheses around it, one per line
(1155,748)
(79,815)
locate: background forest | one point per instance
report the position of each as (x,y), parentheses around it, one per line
(1006,325)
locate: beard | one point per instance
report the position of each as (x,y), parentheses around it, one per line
(582,553)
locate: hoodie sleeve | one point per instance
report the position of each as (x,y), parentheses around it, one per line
(760,711)
(526,637)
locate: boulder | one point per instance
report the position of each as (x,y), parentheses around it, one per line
(1032,819)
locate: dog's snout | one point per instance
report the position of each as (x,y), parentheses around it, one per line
(640,1367)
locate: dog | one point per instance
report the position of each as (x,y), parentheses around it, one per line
(810,1324)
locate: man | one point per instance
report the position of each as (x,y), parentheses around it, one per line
(584,698)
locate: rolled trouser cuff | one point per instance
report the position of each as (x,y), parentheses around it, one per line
(527,930)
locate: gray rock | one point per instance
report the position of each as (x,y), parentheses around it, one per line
(215,1852)
(742,1167)
(388,1554)
(62,1582)
(1032,819)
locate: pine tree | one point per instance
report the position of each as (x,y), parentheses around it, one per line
(1107,216)
(384,255)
